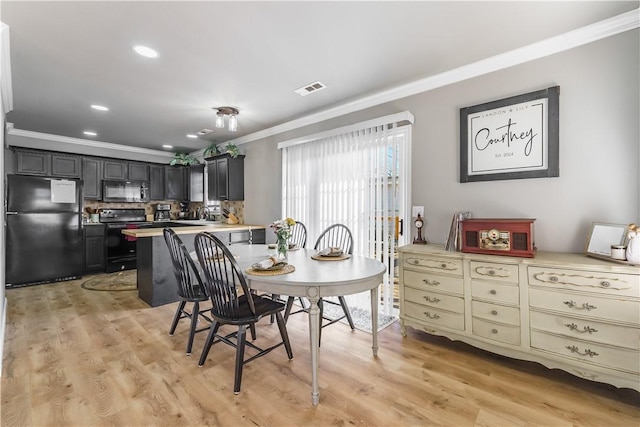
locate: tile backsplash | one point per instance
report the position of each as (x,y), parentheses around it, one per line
(92,206)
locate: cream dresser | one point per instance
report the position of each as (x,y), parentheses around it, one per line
(566,311)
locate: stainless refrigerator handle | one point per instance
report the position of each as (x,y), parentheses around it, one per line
(11,213)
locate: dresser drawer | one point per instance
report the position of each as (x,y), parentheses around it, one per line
(498,292)
(587,330)
(439,265)
(495,272)
(496,313)
(591,306)
(433,299)
(433,282)
(434,315)
(495,331)
(612,284)
(587,352)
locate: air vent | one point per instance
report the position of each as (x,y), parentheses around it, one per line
(204,131)
(310,88)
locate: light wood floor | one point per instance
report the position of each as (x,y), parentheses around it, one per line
(75,357)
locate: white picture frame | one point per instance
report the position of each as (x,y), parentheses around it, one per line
(602,235)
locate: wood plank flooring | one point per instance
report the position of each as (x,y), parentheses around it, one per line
(75,357)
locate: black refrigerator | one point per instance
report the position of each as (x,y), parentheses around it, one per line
(44,241)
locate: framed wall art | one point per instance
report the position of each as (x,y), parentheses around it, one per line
(512,138)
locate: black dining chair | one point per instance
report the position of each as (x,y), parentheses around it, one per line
(336,236)
(223,279)
(190,288)
(339,236)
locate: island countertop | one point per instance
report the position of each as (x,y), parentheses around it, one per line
(190,229)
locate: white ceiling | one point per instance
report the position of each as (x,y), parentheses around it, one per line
(66,56)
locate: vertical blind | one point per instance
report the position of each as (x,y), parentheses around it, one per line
(357,177)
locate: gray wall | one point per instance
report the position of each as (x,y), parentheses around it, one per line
(599,148)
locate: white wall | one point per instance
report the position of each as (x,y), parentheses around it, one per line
(599,148)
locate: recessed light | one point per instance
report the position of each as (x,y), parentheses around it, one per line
(192,136)
(145,51)
(99,107)
(90,133)
(167,146)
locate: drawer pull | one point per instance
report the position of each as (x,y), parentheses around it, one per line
(605,284)
(431,316)
(575,349)
(585,306)
(416,262)
(574,327)
(492,273)
(493,292)
(429,299)
(494,312)
(443,265)
(431,283)
(553,278)
(494,331)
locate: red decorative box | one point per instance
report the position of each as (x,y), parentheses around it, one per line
(510,237)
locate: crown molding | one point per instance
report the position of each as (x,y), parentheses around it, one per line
(6,87)
(108,146)
(572,39)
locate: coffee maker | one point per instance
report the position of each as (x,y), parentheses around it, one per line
(184,210)
(163,212)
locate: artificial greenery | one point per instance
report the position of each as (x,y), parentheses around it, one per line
(213,150)
(184,159)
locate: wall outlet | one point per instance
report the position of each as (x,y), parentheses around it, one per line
(415,210)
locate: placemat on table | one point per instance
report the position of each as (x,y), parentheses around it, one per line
(284,270)
(330,258)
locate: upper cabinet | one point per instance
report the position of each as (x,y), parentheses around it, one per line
(137,171)
(92,177)
(196,183)
(114,169)
(225,177)
(66,165)
(156,182)
(176,181)
(33,162)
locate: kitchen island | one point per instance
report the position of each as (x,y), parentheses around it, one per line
(156,280)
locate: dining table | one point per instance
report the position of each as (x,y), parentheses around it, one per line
(313,277)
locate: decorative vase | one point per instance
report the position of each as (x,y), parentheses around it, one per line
(282,249)
(633,248)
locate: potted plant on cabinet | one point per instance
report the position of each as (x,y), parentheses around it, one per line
(213,150)
(183,159)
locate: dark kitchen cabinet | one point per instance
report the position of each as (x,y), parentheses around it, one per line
(92,177)
(196,183)
(225,177)
(156,182)
(176,182)
(46,163)
(94,248)
(114,169)
(137,171)
(66,165)
(29,162)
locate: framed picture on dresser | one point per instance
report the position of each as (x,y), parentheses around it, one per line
(602,236)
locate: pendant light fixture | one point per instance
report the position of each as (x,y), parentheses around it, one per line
(233,117)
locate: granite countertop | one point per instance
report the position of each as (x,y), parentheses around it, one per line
(190,229)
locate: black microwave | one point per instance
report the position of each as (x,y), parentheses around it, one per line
(125,191)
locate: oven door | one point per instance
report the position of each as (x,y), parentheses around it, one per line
(121,251)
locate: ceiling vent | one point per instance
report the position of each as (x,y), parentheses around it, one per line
(310,88)
(204,131)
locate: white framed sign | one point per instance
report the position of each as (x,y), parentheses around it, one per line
(512,138)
